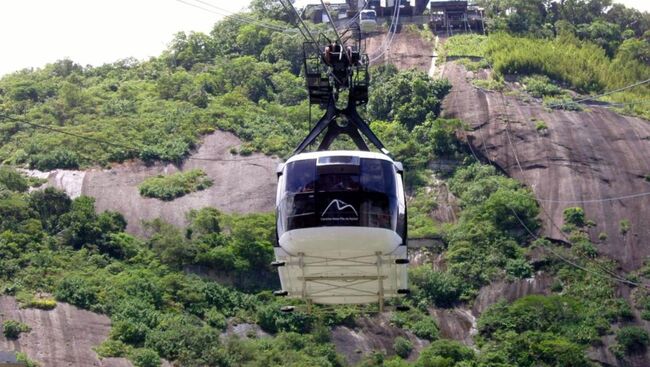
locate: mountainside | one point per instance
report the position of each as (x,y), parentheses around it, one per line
(594,159)
(233,191)
(61,337)
(158,250)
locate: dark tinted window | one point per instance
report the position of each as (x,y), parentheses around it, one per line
(301,176)
(362,193)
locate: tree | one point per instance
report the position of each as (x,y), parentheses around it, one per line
(167,241)
(408,97)
(49,204)
(12,179)
(272,9)
(444,353)
(187,50)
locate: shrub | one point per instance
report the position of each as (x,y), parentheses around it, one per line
(633,338)
(602,236)
(215,319)
(444,353)
(12,329)
(519,268)
(145,357)
(574,216)
(175,185)
(57,158)
(624,226)
(490,84)
(12,179)
(24,359)
(41,303)
(408,97)
(540,86)
(112,348)
(566,104)
(402,346)
(77,291)
(425,328)
(441,289)
(540,126)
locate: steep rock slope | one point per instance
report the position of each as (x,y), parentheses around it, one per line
(587,159)
(63,336)
(406,51)
(241,184)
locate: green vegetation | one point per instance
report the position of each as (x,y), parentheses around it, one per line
(624,226)
(402,346)
(574,216)
(175,185)
(582,65)
(12,180)
(12,328)
(473,65)
(632,339)
(465,45)
(541,127)
(540,86)
(22,358)
(40,303)
(493,83)
(585,45)
(445,353)
(410,97)
(563,103)
(245,79)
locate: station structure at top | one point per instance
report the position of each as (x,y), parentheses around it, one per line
(443,16)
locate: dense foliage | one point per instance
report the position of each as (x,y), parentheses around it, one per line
(590,46)
(177,184)
(245,79)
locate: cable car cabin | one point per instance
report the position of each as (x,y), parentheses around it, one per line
(368,21)
(341,227)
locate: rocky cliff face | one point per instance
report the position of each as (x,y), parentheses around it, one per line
(371,335)
(241,184)
(595,159)
(63,336)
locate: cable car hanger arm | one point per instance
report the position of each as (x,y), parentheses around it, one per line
(355,128)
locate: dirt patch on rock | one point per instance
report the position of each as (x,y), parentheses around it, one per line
(595,159)
(408,50)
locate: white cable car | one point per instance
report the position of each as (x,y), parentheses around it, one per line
(341,215)
(368,21)
(341,226)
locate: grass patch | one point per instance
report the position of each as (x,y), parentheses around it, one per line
(541,127)
(41,304)
(540,86)
(175,185)
(473,65)
(465,45)
(563,103)
(493,84)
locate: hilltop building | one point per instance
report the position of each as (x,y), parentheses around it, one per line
(453,16)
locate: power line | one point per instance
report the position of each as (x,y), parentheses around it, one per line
(608,274)
(234,16)
(614,91)
(523,224)
(389,37)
